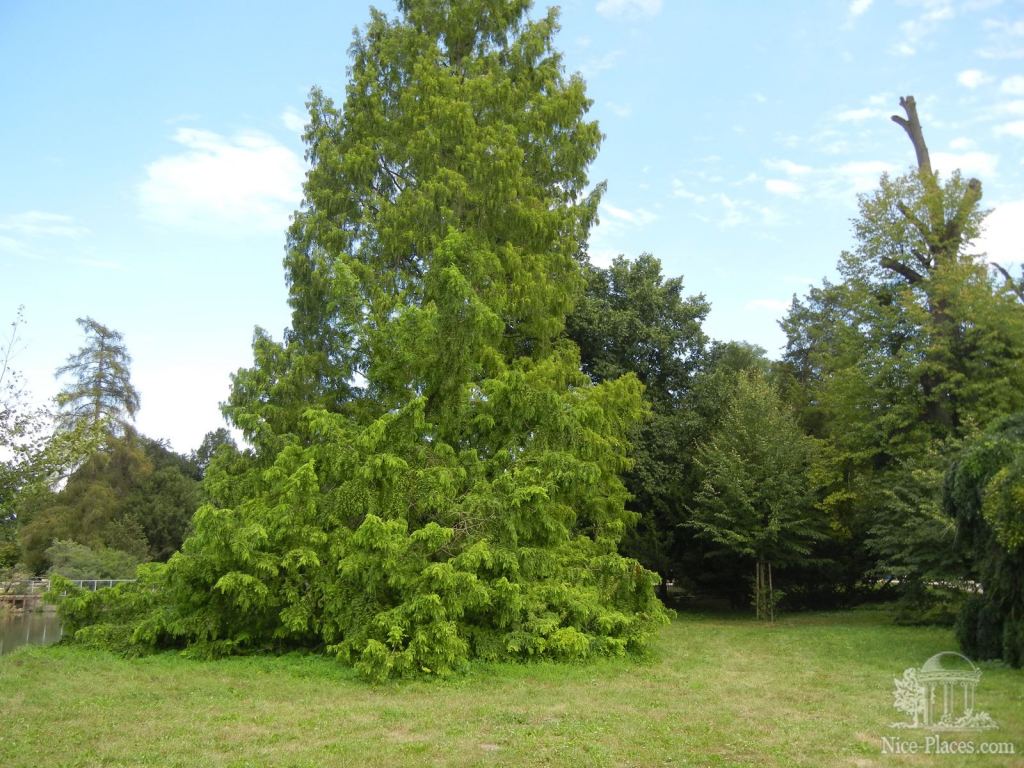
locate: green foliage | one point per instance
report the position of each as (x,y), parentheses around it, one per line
(133,495)
(755,500)
(914,350)
(982,493)
(100,393)
(77,561)
(632,320)
(433,477)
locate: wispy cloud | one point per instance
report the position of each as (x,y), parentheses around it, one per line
(637,217)
(598,64)
(628,8)
(1005,39)
(973,78)
(1014,128)
(971,163)
(860,175)
(916,31)
(784,187)
(619,110)
(248,180)
(788,167)
(41,224)
(679,189)
(1013,85)
(293,120)
(859,7)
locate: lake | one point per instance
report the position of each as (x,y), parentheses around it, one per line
(28,628)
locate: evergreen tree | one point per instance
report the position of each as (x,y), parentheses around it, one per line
(984,494)
(100,393)
(433,476)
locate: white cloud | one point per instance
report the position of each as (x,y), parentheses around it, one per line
(783,187)
(1004,39)
(597,64)
(679,190)
(638,217)
(42,224)
(619,110)
(1015,107)
(788,167)
(862,175)
(760,98)
(973,78)
(602,257)
(249,181)
(973,163)
(15,248)
(860,7)
(916,31)
(772,305)
(628,8)
(1000,240)
(1013,85)
(293,120)
(961,143)
(1015,128)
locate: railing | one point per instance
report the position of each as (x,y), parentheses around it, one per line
(27,594)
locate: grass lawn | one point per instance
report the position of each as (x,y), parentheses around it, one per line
(812,690)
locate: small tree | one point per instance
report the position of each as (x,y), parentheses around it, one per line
(100,393)
(755,496)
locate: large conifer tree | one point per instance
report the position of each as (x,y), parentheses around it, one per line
(433,477)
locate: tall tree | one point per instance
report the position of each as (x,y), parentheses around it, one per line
(100,393)
(633,320)
(434,478)
(916,347)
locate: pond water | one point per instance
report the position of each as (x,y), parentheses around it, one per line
(28,628)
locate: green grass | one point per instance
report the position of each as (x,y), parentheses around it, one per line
(812,690)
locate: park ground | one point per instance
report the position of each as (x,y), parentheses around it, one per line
(718,690)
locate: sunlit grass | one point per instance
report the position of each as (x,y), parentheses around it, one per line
(812,690)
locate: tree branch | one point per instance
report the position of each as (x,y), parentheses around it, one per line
(1012,284)
(912,125)
(913,276)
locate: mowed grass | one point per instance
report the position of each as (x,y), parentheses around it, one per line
(812,690)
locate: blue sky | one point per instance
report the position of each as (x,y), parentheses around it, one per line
(150,157)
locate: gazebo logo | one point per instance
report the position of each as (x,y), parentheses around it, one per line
(940,695)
